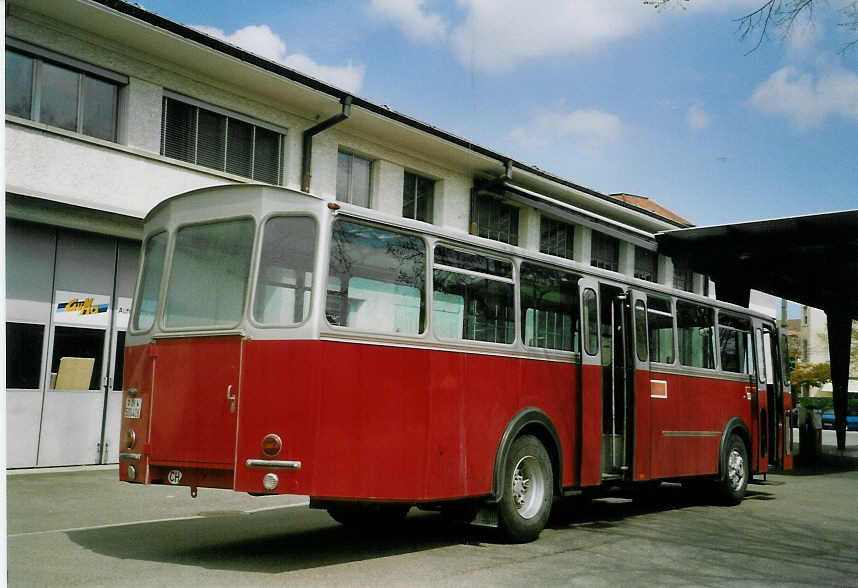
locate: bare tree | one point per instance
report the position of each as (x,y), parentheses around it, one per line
(777,16)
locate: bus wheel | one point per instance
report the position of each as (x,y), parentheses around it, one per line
(736,472)
(368,514)
(528,490)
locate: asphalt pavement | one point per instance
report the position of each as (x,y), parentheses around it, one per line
(85,528)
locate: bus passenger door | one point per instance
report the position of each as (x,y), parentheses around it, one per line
(614,326)
(761,428)
(590,387)
(640,423)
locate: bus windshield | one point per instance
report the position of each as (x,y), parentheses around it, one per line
(209,274)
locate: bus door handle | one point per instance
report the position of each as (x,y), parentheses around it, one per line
(231,397)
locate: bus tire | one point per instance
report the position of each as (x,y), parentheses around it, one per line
(734,482)
(367,514)
(527,492)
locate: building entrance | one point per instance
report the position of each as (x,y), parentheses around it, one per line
(68,301)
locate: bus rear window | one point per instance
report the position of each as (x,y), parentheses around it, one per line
(285,278)
(376,280)
(150,281)
(209,274)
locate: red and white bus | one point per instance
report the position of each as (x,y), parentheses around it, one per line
(281,343)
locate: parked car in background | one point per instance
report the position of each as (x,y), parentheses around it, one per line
(851,420)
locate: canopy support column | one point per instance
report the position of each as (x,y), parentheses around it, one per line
(839,339)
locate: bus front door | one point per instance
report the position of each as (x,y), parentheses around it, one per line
(615,324)
(764,406)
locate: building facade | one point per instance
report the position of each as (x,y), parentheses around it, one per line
(111,109)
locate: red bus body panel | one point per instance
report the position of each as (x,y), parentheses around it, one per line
(195,419)
(381,422)
(686,425)
(378,422)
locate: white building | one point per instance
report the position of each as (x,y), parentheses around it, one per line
(111,109)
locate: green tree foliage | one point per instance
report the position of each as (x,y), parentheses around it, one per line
(810,375)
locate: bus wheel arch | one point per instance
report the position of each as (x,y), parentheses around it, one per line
(528,421)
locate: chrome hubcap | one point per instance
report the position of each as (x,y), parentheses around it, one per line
(528,486)
(735,469)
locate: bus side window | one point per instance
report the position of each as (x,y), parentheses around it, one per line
(734,334)
(549,307)
(376,280)
(761,363)
(695,325)
(473,297)
(640,331)
(660,327)
(591,322)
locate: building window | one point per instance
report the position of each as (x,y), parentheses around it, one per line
(60,91)
(646,264)
(221,140)
(683,279)
(494,219)
(353,173)
(605,252)
(23,354)
(556,237)
(417,197)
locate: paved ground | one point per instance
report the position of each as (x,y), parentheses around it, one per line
(86,528)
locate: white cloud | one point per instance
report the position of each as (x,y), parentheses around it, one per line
(261,40)
(411,16)
(589,128)
(806,99)
(697,117)
(497,35)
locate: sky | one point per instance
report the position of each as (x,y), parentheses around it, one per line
(614,95)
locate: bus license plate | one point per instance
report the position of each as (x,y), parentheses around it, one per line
(132,408)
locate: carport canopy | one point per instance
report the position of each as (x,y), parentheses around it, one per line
(811,260)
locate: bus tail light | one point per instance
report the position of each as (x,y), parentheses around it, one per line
(130,438)
(132,472)
(271,445)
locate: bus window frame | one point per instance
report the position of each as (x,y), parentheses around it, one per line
(159,300)
(257,260)
(716,360)
(671,301)
(168,273)
(325,274)
(718,326)
(520,309)
(586,328)
(514,280)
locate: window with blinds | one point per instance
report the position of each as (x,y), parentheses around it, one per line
(605,252)
(216,140)
(683,279)
(646,264)
(494,219)
(556,237)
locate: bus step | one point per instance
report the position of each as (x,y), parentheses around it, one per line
(487,516)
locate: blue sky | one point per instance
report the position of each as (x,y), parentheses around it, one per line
(611,94)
